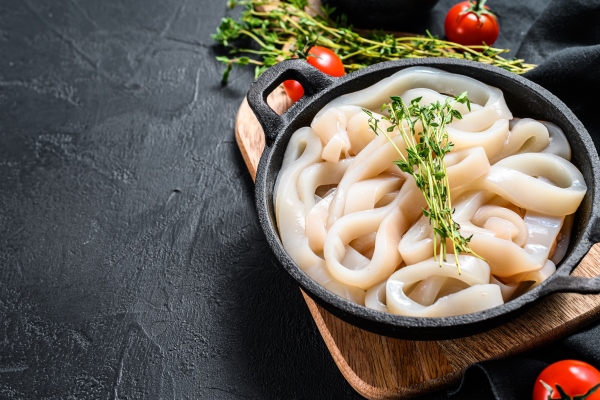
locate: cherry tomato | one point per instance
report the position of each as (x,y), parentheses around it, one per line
(574,377)
(324,60)
(294,90)
(471,23)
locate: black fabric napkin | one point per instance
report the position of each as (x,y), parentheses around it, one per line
(564,40)
(513,378)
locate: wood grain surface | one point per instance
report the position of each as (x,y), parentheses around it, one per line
(379,367)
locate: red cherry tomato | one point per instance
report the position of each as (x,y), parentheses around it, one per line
(294,90)
(324,60)
(471,23)
(574,377)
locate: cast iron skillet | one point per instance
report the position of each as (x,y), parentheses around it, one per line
(524,98)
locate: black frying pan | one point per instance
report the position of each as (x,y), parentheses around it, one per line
(524,98)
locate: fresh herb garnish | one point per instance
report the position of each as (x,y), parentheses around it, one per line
(423,129)
(282,29)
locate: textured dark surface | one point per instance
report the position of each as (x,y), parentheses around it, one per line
(133,265)
(132,262)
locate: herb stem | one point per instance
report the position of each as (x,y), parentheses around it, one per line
(282,29)
(254,37)
(424,160)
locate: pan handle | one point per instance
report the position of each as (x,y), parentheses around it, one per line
(564,282)
(312,80)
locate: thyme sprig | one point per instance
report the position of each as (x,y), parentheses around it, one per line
(269,31)
(423,129)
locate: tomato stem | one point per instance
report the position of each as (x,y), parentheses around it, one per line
(478,6)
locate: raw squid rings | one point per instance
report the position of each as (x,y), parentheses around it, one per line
(353,222)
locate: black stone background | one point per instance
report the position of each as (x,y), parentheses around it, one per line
(132,265)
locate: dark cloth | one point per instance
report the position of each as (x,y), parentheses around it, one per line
(513,378)
(565,41)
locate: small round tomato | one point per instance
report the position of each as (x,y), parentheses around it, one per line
(324,60)
(293,89)
(471,23)
(574,377)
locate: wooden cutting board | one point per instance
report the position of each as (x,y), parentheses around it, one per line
(383,368)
